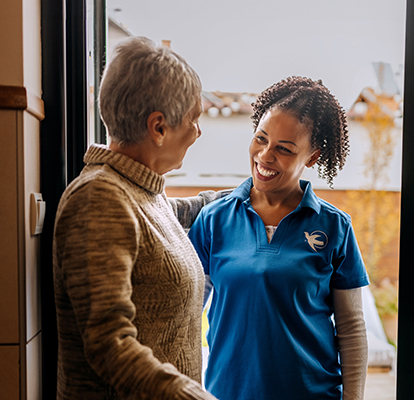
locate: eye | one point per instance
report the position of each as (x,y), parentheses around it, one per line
(284,149)
(197,119)
(261,139)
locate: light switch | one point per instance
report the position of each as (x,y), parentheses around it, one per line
(37,213)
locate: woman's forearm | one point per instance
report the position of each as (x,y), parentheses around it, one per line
(186,209)
(352,341)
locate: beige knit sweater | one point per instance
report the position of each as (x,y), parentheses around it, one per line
(128,286)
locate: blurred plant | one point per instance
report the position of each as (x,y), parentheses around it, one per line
(386,297)
(379,124)
(376,220)
(375,216)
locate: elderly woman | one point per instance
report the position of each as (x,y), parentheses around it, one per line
(129,285)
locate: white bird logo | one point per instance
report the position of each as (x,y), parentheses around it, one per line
(317,240)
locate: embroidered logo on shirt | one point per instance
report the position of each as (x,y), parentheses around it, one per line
(317,240)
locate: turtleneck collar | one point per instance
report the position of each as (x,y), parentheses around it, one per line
(127,167)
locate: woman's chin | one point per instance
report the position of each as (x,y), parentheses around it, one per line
(179,165)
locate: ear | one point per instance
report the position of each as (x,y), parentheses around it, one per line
(313,158)
(157,127)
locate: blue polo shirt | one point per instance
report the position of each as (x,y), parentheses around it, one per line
(271,334)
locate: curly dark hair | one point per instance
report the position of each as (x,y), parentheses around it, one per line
(312,103)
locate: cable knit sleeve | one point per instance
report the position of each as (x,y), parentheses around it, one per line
(186,209)
(97,249)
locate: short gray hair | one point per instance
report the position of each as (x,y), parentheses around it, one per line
(140,79)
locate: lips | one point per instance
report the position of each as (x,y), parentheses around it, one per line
(265,174)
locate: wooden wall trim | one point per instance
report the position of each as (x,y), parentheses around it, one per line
(20,98)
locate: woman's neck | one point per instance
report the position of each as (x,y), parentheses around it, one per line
(273,207)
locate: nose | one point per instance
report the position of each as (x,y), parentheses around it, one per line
(266,155)
(198,131)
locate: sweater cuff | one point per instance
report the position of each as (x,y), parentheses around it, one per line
(193,391)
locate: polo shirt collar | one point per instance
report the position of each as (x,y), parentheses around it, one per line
(309,198)
(242,192)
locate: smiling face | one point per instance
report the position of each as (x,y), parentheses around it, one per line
(279,152)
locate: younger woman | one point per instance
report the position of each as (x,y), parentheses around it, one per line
(282,262)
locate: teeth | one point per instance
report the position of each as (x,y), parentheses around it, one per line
(265,172)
